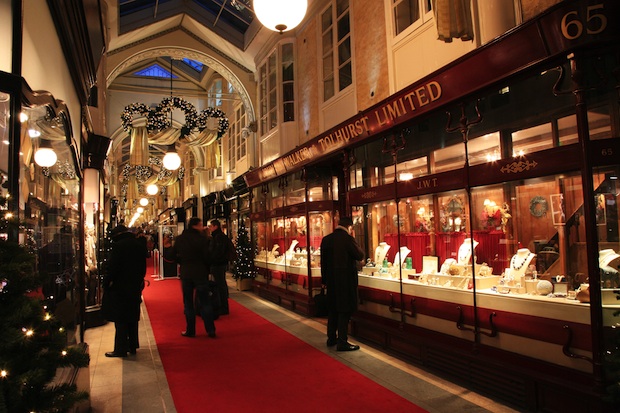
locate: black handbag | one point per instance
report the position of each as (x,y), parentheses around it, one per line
(320,304)
(213,298)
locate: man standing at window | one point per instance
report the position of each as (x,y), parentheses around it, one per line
(221,249)
(339,256)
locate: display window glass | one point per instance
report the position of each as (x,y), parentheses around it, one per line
(288,236)
(49,196)
(5,114)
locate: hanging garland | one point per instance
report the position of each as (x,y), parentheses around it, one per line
(538,206)
(158,119)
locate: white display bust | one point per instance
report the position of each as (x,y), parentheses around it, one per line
(520,261)
(605,257)
(446,265)
(381,252)
(399,259)
(464,254)
(292,247)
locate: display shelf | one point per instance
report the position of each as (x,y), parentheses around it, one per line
(534,305)
(291,269)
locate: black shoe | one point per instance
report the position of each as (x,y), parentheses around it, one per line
(331,343)
(212,335)
(115,354)
(132,351)
(186,334)
(347,347)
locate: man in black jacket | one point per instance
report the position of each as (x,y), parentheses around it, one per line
(219,252)
(191,250)
(123,284)
(339,256)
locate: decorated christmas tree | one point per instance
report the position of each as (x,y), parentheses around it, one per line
(33,343)
(244,265)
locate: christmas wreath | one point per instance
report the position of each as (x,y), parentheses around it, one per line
(158,118)
(538,206)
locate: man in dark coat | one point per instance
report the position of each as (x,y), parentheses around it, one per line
(191,250)
(339,256)
(220,253)
(123,284)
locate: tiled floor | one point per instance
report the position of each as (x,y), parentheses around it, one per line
(138,383)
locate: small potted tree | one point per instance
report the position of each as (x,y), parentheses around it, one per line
(244,270)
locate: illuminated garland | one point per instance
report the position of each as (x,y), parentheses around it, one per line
(158,119)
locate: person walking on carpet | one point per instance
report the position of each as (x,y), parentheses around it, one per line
(339,256)
(122,285)
(191,250)
(221,249)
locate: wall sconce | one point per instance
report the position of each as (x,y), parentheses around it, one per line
(45,155)
(144,202)
(280,15)
(172,160)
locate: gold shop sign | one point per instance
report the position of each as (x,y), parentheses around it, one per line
(396,110)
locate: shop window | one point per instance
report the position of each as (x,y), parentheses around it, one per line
(599,122)
(237,137)
(567,130)
(215,93)
(356,176)
(534,139)
(410,13)
(484,148)
(288,83)
(337,72)
(408,170)
(449,158)
(276,87)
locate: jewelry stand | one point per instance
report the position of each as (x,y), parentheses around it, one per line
(399,259)
(380,253)
(465,253)
(605,257)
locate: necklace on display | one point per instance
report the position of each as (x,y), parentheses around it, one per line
(465,255)
(513,261)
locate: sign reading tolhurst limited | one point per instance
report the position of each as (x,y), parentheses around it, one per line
(570,25)
(381,118)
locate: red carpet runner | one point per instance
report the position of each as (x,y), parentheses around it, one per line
(254,365)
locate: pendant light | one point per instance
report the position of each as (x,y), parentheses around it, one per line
(152,189)
(45,155)
(280,15)
(172,160)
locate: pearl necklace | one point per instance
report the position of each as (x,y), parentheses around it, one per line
(513,261)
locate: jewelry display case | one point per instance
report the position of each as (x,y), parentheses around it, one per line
(288,238)
(495,243)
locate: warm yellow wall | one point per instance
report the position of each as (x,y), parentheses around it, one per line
(308,61)
(43,63)
(371,65)
(532,8)
(6,35)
